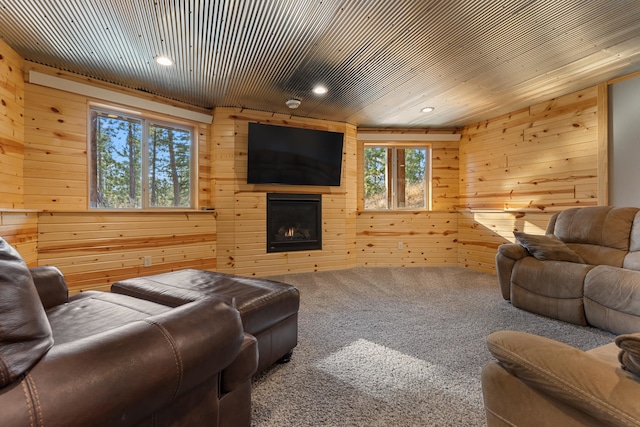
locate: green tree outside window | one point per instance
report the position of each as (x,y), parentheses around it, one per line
(396,177)
(137,163)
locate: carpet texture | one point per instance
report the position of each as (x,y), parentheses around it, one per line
(394,347)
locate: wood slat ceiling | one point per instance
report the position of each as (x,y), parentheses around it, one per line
(381,60)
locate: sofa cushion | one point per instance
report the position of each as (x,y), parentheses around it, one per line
(599,234)
(550,288)
(25,333)
(599,255)
(612,299)
(632,259)
(634,240)
(547,247)
(93,312)
(629,354)
(597,225)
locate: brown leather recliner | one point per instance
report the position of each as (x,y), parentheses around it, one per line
(101,359)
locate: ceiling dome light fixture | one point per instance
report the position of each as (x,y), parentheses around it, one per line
(428,109)
(293,103)
(320,90)
(164,60)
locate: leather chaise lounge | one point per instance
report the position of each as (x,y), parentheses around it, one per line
(107,359)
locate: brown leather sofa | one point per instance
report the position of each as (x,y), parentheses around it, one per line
(539,382)
(268,309)
(602,289)
(103,359)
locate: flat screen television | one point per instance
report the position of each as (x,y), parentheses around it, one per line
(293,156)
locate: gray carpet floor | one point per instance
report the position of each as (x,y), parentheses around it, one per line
(394,347)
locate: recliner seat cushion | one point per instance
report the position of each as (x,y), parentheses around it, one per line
(612,299)
(25,333)
(550,288)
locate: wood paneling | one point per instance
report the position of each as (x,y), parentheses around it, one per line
(242,207)
(480,233)
(56,163)
(523,166)
(56,146)
(11,129)
(427,237)
(603,144)
(95,249)
(507,173)
(20,230)
(536,158)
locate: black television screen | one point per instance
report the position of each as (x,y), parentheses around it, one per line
(294,156)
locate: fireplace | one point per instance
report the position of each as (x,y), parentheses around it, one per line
(294,222)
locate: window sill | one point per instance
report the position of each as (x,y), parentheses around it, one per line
(395,211)
(129,211)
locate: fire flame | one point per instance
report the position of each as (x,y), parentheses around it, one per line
(290,232)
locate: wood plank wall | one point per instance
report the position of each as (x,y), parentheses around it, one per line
(427,238)
(507,173)
(481,232)
(404,239)
(95,248)
(242,207)
(11,128)
(56,164)
(20,230)
(521,167)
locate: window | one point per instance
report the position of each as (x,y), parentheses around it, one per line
(139,163)
(396,177)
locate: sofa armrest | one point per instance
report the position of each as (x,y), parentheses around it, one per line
(570,376)
(514,251)
(506,258)
(124,375)
(242,367)
(51,286)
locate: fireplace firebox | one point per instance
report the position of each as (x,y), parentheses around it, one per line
(294,222)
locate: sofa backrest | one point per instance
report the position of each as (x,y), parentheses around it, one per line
(599,234)
(632,260)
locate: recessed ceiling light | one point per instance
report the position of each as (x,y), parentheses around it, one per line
(320,90)
(164,60)
(427,109)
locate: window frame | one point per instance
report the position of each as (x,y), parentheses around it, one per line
(147,119)
(392,175)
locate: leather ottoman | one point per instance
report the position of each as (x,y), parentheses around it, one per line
(269,309)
